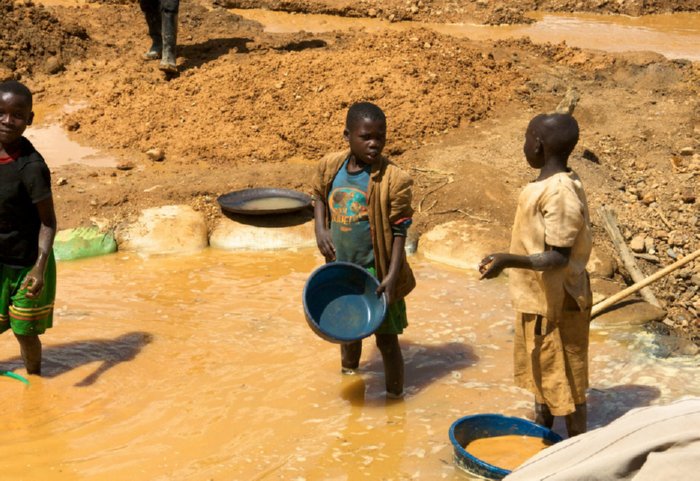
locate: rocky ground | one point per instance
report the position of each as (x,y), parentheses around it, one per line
(254,109)
(478,11)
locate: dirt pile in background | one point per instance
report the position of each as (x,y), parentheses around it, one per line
(33,40)
(287,99)
(480,11)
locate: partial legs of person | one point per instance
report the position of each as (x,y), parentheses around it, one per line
(350,356)
(151,10)
(390,349)
(168,11)
(30,348)
(543,416)
(576,422)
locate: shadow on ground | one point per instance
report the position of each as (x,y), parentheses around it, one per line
(61,358)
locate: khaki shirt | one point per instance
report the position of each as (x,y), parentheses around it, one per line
(388,202)
(551,212)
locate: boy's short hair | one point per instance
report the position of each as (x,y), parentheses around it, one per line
(363,110)
(17,88)
(559,131)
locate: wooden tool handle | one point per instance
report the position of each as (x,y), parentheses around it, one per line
(605,303)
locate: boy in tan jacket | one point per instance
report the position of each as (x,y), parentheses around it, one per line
(362,212)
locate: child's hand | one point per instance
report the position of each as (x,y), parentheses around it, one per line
(325,244)
(492,265)
(33,282)
(387,286)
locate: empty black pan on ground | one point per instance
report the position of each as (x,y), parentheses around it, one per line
(263,201)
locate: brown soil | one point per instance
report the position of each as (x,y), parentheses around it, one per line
(253,109)
(477,11)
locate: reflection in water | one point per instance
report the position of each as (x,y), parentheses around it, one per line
(203,367)
(675,36)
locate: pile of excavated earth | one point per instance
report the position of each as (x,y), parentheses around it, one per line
(252,108)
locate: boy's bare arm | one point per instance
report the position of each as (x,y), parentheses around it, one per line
(553,258)
(398,254)
(323,234)
(34,280)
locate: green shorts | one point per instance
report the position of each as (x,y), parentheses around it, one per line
(396,319)
(26,316)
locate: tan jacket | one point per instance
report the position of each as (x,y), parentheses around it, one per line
(389,201)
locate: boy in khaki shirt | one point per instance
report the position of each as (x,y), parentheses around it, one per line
(550,246)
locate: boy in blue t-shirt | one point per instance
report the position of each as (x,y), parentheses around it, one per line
(362,212)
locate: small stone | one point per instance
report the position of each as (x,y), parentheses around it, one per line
(637,243)
(155,154)
(125,165)
(688,196)
(649,245)
(73,125)
(61,181)
(53,65)
(372,12)
(687,151)
(648,198)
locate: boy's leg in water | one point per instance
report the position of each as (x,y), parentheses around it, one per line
(151,10)
(390,349)
(543,416)
(30,348)
(576,422)
(350,356)
(168,11)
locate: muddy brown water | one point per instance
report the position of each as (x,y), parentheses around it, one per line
(202,367)
(506,452)
(673,35)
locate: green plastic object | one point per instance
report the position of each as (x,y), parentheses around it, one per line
(15,376)
(71,244)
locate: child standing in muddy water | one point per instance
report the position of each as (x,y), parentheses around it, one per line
(27,229)
(550,290)
(362,213)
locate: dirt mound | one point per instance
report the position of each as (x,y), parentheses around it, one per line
(290,101)
(480,11)
(36,40)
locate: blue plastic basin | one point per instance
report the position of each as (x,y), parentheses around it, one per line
(341,304)
(469,428)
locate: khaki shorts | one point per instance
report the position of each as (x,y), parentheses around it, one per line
(551,359)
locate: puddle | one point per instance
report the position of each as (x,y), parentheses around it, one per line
(58,150)
(52,141)
(673,35)
(202,367)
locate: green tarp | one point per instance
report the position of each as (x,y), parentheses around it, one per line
(83,242)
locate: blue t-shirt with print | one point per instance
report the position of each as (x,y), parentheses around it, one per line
(350,230)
